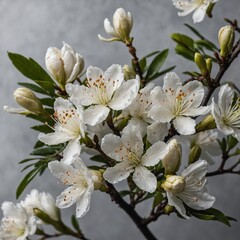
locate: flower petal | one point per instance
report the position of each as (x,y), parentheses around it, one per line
(192,112)
(200,13)
(71,152)
(172,82)
(54,138)
(154,154)
(161,114)
(119,172)
(184,125)
(95,114)
(124,95)
(225,98)
(195,171)
(93,74)
(157,132)
(144,179)
(109,28)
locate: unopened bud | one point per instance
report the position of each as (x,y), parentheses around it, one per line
(194,154)
(209,65)
(168,209)
(43,216)
(172,159)
(64,65)
(174,184)
(201,63)
(129,72)
(97,179)
(28,100)
(226,38)
(206,124)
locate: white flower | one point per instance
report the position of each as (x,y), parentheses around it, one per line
(69,127)
(207,142)
(65,65)
(189,188)
(128,151)
(178,103)
(43,201)
(16,223)
(122,26)
(198,6)
(81,185)
(104,91)
(139,109)
(227,112)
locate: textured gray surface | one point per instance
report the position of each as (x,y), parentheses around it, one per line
(30,27)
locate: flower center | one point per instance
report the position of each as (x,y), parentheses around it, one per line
(232,117)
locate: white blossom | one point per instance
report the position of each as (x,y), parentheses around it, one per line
(104,91)
(198,6)
(16,223)
(138,110)
(81,184)
(128,151)
(69,128)
(122,26)
(178,102)
(189,188)
(227,112)
(43,201)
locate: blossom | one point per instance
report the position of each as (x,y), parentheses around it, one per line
(128,151)
(69,127)
(122,26)
(227,112)
(104,91)
(189,188)
(81,185)
(64,65)
(178,103)
(43,201)
(16,223)
(139,109)
(198,6)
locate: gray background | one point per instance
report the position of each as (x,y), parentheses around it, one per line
(29,27)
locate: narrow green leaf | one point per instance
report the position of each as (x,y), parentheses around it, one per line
(34,88)
(151,54)
(26,180)
(47,101)
(28,159)
(124,193)
(42,128)
(231,142)
(157,63)
(98,158)
(185,52)
(45,151)
(206,44)
(159,74)
(143,64)
(195,31)
(157,199)
(183,40)
(76,224)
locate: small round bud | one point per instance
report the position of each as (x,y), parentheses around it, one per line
(129,72)
(168,209)
(201,63)
(172,159)
(174,184)
(226,38)
(64,65)
(97,179)
(28,100)
(194,154)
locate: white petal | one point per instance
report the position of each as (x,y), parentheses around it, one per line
(107,39)
(161,114)
(69,62)
(225,98)
(83,203)
(154,154)
(172,82)
(192,112)
(200,13)
(156,132)
(61,104)
(195,170)
(95,114)
(71,152)
(140,124)
(124,95)
(109,29)
(54,138)
(93,74)
(184,125)
(69,196)
(119,172)
(132,140)
(16,110)
(112,145)
(144,179)
(177,203)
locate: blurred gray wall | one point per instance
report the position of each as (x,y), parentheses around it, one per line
(29,27)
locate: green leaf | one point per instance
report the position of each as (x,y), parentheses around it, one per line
(32,70)
(184,52)
(157,63)
(195,31)
(26,180)
(231,142)
(157,199)
(45,151)
(161,73)
(143,64)
(183,40)
(34,88)
(124,193)
(75,224)
(47,102)
(206,44)
(42,128)
(98,158)
(28,159)
(151,54)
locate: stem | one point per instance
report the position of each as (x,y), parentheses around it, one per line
(131,212)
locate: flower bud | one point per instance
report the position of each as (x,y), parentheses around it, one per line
(168,209)
(64,65)
(129,72)
(201,63)
(174,184)
(27,99)
(206,124)
(194,154)
(97,179)
(226,38)
(172,159)
(209,65)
